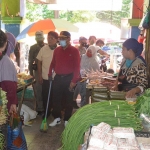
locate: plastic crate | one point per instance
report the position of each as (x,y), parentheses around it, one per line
(27,95)
(28,81)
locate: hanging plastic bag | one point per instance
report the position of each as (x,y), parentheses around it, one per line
(146,22)
(15,136)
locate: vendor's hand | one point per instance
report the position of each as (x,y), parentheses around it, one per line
(131,93)
(40,79)
(13,109)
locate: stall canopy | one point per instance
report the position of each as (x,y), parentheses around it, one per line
(104,31)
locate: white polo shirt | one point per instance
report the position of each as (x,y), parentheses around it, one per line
(45,55)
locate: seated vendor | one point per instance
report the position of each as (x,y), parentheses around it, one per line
(132,76)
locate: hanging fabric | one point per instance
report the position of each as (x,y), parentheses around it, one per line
(146,21)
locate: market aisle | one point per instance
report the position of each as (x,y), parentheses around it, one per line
(37,140)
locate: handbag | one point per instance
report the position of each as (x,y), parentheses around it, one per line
(15,136)
(126,87)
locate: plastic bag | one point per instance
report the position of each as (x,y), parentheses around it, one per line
(15,136)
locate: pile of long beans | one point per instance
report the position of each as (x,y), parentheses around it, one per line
(115,113)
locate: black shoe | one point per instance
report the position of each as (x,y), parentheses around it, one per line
(75,106)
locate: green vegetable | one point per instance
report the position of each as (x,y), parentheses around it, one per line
(115,113)
(143,103)
(100,89)
(100,95)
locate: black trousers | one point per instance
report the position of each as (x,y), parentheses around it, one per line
(45,91)
(60,90)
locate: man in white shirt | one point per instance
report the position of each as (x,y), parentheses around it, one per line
(44,57)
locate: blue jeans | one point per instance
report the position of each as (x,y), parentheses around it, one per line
(80,89)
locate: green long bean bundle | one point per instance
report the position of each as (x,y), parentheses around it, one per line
(115,113)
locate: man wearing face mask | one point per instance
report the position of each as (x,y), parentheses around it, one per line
(66,64)
(34,50)
(83,45)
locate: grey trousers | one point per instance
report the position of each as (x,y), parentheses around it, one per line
(80,89)
(38,90)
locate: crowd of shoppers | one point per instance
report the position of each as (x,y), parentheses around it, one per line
(65,65)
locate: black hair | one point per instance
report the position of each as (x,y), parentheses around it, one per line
(54,34)
(92,37)
(100,41)
(3,40)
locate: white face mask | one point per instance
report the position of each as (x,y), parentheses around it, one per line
(63,43)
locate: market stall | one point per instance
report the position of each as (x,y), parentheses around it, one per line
(114,114)
(25,81)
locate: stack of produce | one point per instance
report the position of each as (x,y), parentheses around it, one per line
(115,113)
(102,93)
(117,95)
(23,78)
(3,107)
(142,105)
(108,82)
(102,137)
(95,77)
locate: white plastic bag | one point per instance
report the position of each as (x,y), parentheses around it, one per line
(32,113)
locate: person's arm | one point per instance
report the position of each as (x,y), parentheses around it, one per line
(141,81)
(39,66)
(76,72)
(40,71)
(11,88)
(101,52)
(52,66)
(30,61)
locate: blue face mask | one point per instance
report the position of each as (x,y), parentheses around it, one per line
(128,62)
(63,43)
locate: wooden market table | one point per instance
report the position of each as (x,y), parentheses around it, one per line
(23,88)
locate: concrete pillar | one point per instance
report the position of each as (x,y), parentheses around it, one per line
(56,13)
(137,14)
(147,51)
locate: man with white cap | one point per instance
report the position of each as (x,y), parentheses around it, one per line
(33,52)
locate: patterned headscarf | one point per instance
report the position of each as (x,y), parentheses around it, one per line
(133,44)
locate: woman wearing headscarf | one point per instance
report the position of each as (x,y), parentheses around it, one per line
(8,75)
(132,76)
(89,62)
